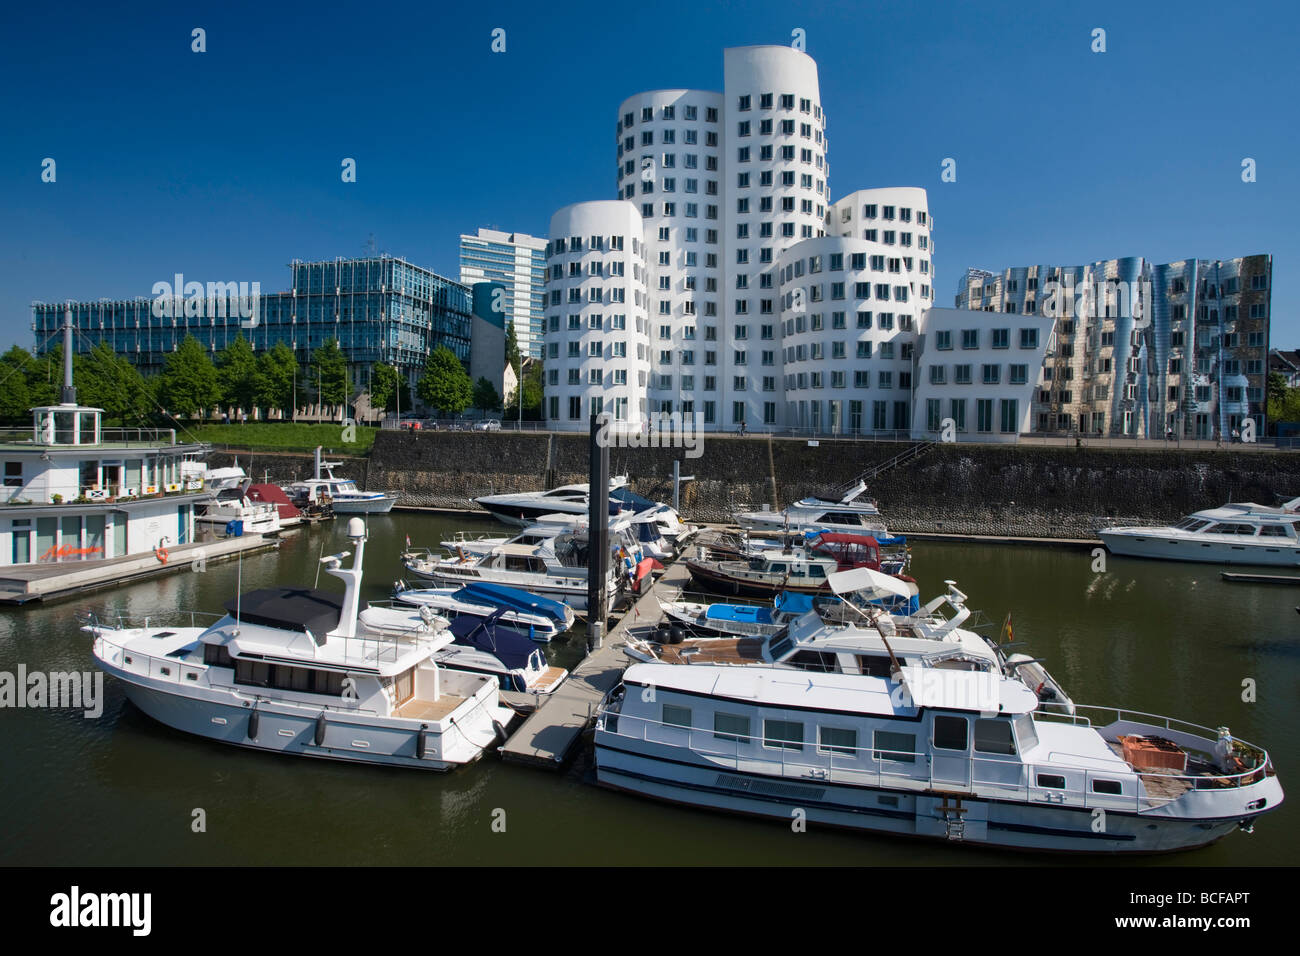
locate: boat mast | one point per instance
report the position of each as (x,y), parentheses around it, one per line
(69,390)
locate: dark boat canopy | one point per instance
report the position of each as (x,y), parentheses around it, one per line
(290,609)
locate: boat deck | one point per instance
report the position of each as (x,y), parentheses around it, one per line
(417,708)
(722,650)
(548,678)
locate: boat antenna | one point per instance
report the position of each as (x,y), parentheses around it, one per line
(319,559)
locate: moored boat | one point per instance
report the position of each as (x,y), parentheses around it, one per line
(1244,533)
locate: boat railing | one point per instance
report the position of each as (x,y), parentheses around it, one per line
(1004,777)
(118,621)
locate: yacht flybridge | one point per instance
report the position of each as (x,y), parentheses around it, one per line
(290,670)
(945,745)
(848,513)
(1233,534)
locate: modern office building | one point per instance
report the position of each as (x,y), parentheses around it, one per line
(1142,349)
(383,310)
(731,187)
(974,382)
(518,262)
(597,337)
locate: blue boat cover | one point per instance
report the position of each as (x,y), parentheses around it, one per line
(793,603)
(630,499)
(510,647)
(738,612)
(890,540)
(513,599)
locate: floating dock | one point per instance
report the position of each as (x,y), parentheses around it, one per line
(1240,577)
(548,736)
(65,578)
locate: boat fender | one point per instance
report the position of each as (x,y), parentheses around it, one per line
(675,635)
(662,634)
(501,731)
(254,718)
(422,741)
(320,730)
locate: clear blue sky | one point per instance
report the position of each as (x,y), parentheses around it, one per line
(225,165)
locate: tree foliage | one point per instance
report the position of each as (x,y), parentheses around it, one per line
(329,374)
(109,381)
(237,374)
(485,396)
(384,383)
(188,382)
(445,384)
(277,371)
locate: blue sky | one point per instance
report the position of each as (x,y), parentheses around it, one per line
(225,165)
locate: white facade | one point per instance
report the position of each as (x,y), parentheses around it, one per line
(597,343)
(981,376)
(847,337)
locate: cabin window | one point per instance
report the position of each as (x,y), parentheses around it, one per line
(1272,531)
(284,677)
(731,727)
(780,647)
(823,661)
(890,745)
(950,733)
(218,655)
(816,571)
(783,734)
(994,737)
(1112,787)
(1026,732)
(13,474)
(1051,781)
(874,665)
(778,568)
(677,716)
(837,740)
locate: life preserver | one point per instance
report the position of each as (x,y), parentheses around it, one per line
(161,554)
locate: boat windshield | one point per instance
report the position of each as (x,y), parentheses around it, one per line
(1191,524)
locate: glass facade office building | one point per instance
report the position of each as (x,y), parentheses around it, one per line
(518,262)
(382,310)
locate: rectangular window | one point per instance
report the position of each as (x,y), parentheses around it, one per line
(949,733)
(994,737)
(783,734)
(900,748)
(837,740)
(731,727)
(677,716)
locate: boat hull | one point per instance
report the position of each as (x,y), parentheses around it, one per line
(1156,545)
(1005,824)
(363,506)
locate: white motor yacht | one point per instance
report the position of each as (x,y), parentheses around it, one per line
(341,494)
(1233,534)
(290,670)
(524,508)
(230,503)
(849,513)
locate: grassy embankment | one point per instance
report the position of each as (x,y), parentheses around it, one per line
(288,436)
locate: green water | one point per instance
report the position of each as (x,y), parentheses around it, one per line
(1157,637)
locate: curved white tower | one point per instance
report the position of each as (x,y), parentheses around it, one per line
(597,351)
(776,194)
(671,167)
(848,336)
(897,217)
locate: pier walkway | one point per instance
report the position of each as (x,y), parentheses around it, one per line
(64,578)
(548,735)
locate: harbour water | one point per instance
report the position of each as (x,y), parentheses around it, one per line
(1159,637)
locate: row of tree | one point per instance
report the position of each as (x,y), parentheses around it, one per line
(193,382)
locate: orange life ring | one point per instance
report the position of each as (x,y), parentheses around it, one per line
(160,554)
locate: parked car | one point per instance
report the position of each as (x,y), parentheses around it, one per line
(411,424)
(488,425)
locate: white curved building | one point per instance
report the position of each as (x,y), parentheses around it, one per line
(848,336)
(597,346)
(671,166)
(725,184)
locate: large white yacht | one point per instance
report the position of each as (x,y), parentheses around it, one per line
(849,513)
(290,670)
(547,559)
(77,491)
(529,507)
(341,494)
(1233,534)
(945,745)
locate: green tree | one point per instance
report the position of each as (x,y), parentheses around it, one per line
(512,346)
(486,398)
(237,374)
(15,396)
(328,374)
(188,383)
(445,384)
(277,371)
(45,377)
(533,392)
(384,383)
(109,381)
